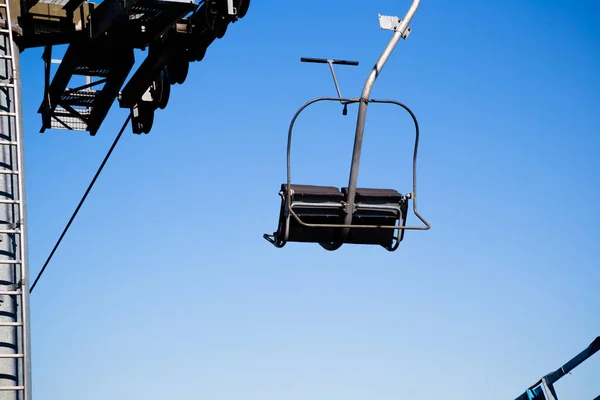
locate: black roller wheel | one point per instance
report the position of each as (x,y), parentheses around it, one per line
(220,27)
(165,90)
(177,70)
(196,52)
(160,90)
(242,8)
(147,119)
(142,123)
(136,126)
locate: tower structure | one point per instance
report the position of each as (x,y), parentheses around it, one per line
(101,39)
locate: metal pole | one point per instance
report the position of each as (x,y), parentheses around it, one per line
(15,371)
(24,224)
(362,110)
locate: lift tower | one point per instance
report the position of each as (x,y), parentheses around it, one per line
(101,39)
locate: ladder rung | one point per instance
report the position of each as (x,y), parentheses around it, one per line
(5,143)
(9,232)
(4,172)
(7,388)
(4,31)
(10,85)
(10,292)
(9,201)
(10,261)
(7,114)
(6,57)
(11,355)
(11,324)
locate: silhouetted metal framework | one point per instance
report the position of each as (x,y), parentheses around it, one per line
(544,388)
(101,41)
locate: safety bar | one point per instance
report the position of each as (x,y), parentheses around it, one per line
(325,61)
(362,111)
(335,81)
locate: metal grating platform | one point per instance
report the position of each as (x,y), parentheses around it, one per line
(83,98)
(63,119)
(55,2)
(87,70)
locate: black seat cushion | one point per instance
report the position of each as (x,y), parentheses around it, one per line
(313,190)
(368,194)
(317,205)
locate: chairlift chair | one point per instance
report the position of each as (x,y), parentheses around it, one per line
(332,216)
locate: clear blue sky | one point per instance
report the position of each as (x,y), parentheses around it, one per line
(164,287)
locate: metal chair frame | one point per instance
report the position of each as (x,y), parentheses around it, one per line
(289,210)
(401,31)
